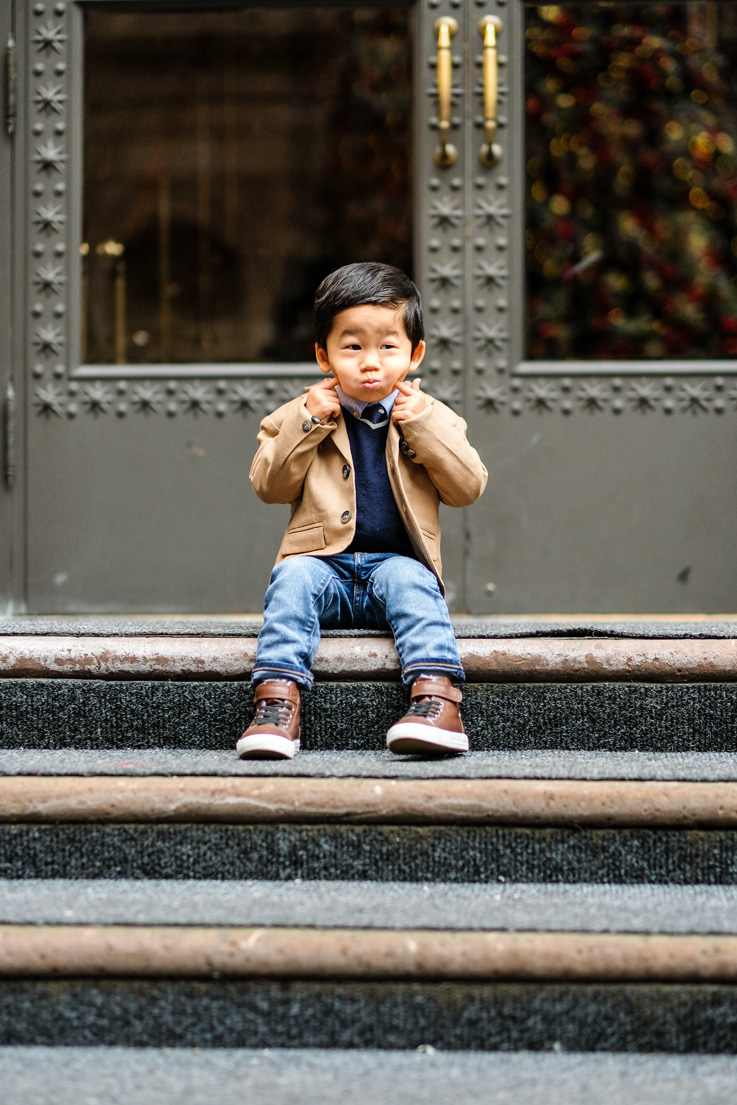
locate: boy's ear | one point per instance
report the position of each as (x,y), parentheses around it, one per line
(417,355)
(321,356)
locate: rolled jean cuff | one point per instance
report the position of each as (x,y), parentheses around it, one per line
(269,671)
(432,667)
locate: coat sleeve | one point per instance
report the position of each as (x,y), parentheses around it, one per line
(437,437)
(287,445)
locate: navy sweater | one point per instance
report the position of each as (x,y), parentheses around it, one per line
(379,525)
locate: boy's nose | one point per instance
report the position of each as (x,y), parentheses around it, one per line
(371,358)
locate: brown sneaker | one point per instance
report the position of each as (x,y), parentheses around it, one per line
(274,732)
(433,722)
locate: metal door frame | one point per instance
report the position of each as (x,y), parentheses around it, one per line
(11,314)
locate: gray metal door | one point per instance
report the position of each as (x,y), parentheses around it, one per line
(192,177)
(8,380)
(604,311)
(161,320)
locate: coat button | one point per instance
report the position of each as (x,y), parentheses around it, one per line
(404,446)
(345,516)
(306,426)
(411,454)
(346,471)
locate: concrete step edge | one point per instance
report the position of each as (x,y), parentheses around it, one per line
(319,1076)
(220,953)
(312,1076)
(349,659)
(279,800)
(337,904)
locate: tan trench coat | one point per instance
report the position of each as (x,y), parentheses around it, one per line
(310,466)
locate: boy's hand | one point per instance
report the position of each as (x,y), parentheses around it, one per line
(409,403)
(321,400)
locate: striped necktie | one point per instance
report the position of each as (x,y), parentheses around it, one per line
(375,415)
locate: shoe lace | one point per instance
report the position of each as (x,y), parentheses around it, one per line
(426,707)
(277,712)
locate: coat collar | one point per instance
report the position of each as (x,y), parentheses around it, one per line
(394,436)
(342,443)
(357,406)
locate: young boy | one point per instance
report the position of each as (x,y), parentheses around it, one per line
(364,459)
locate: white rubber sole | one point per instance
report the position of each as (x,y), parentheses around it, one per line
(411,737)
(267,746)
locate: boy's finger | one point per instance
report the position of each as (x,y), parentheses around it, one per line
(332,382)
(416,384)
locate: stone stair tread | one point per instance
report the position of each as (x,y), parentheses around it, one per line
(512,764)
(380,957)
(370,657)
(152,1076)
(525,907)
(654,626)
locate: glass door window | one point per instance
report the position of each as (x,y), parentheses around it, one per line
(631,181)
(231,160)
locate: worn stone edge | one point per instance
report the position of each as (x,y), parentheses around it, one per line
(375,658)
(197,952)
(350,800)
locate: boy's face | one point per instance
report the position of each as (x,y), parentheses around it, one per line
(368,351)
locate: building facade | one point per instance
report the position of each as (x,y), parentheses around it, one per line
(175,179)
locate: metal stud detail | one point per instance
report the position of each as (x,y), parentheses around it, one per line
(594,396)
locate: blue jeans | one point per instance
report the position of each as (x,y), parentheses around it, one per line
(354,591)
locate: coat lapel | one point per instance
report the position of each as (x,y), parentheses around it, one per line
(392,441)
(340,438)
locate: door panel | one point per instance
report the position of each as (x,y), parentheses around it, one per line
(607,418)
(230,160)
(597,514)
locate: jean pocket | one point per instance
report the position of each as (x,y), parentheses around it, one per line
(304,539)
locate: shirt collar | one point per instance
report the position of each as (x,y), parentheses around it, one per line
(357,406)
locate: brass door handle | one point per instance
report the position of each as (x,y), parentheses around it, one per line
(445,28)
(489,27)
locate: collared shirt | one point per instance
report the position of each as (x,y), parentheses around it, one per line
(357,406)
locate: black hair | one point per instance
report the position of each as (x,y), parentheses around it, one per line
(367,283)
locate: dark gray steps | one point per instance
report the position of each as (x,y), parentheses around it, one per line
(525,764)
(202,716)
(529,907)
(659,627)
(449,1016)
(146,1076)
(394,853)
(490,911)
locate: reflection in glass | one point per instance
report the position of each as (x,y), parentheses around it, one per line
(231,161)
(631,158)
